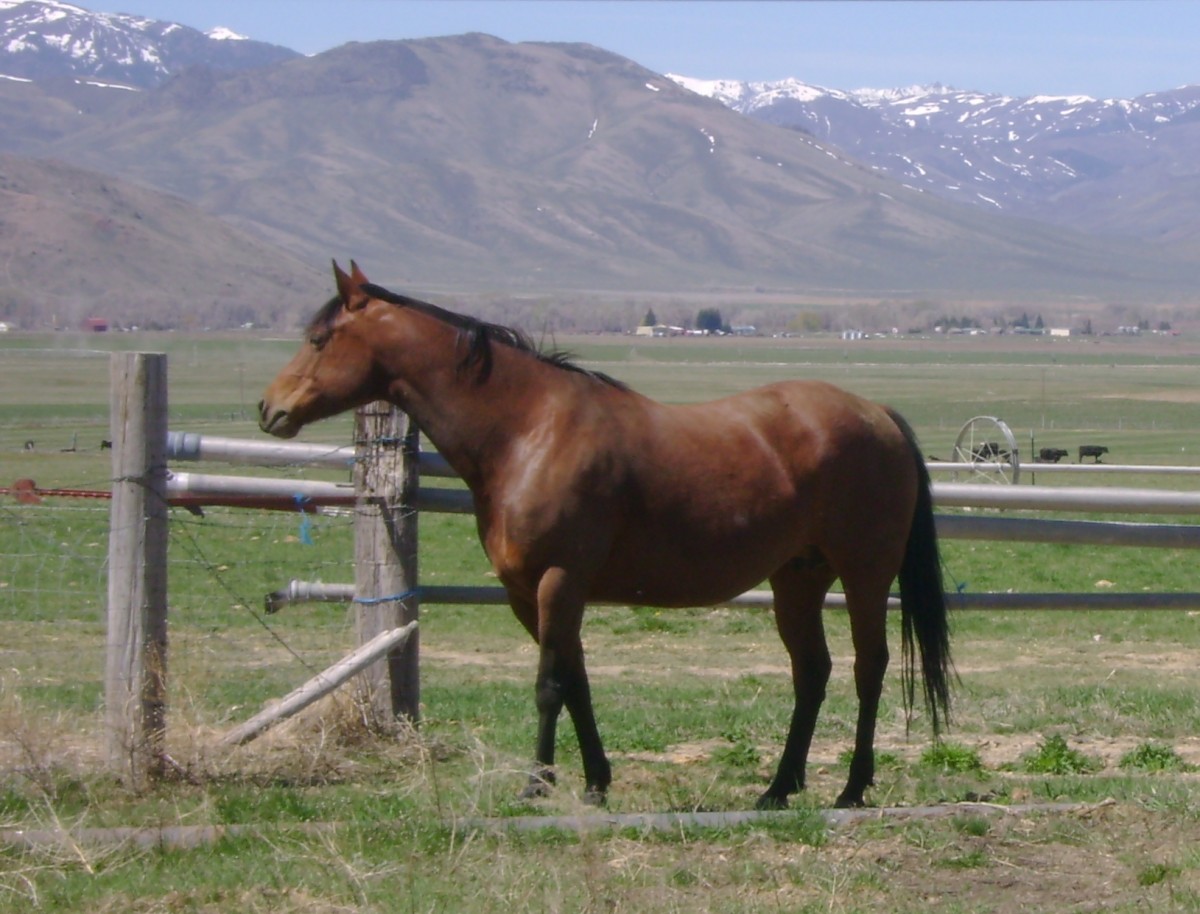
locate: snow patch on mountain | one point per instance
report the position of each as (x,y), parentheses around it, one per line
(954,142)
(220,33)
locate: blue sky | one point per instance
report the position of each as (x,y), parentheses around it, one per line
(1102,48)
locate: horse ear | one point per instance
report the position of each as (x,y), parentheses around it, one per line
(345,285)
(350,286)
(358,298)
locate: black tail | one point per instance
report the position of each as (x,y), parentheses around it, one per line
(925,625)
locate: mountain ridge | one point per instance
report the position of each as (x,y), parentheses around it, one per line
(47,39)
(473,165)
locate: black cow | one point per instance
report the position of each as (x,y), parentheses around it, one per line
(1052,454)
(1092,450)
(988,450)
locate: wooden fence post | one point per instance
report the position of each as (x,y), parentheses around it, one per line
(135,691)
(385,555)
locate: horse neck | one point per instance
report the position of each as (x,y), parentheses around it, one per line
(471,423)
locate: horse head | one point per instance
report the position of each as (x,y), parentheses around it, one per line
(333,371)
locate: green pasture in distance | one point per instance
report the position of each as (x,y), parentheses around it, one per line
(56,394)
(1139,395)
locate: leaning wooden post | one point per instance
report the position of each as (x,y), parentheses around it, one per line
(385,555)
(135,692)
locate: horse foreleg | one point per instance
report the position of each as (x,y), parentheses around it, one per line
(868,631)
(799,597)
(542,777)
(596,769)
(548,697)
(562,680)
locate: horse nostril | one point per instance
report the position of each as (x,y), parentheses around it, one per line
(266,416)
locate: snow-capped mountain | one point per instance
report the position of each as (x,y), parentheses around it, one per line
(1043,156)
(46,39)
(565,166)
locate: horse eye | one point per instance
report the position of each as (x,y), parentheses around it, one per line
(318,340)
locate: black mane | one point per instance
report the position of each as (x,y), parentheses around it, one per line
(476,335)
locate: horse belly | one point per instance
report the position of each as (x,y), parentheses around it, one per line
(675,567)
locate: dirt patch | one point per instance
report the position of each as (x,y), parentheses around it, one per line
(1158,396)
(1062,862)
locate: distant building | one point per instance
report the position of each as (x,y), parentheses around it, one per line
(95,324)
(658,330)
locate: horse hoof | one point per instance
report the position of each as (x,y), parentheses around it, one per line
(539,786)
(594,796)
(769,802)
(850,802)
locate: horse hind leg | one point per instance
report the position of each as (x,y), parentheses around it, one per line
(799,588)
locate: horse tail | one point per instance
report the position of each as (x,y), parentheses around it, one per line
(925,624)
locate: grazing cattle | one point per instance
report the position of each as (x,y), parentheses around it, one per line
(1092,450)
(1052,454)
(990,450)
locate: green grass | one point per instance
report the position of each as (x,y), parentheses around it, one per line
(1154,757)
(1054,756)
(951,758)
(693,704)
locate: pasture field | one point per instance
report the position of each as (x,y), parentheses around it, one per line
(332,812)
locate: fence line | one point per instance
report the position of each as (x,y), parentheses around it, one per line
(481,595)
(193,446)
(291,493)
(950,526)
(387,469)
(1086,469)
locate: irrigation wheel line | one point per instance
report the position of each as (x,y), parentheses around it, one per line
(987,444)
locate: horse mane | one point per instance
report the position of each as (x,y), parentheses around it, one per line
(478,337)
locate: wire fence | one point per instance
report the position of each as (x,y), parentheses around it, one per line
(227,655)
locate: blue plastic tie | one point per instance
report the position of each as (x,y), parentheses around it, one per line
(305,519)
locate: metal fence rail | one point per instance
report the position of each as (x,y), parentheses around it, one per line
(991,527)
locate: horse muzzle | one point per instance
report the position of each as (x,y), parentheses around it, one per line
(276,422)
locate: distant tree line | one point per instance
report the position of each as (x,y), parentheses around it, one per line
(709,320)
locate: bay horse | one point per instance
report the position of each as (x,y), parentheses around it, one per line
(587,491)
